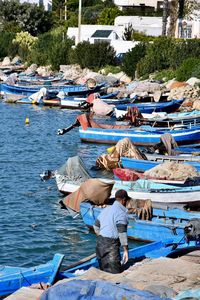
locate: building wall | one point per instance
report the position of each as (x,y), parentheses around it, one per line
(148,25)
(139,3)
(88,30)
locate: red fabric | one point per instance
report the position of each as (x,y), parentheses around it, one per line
(83,121)
(90,98)
(126,174)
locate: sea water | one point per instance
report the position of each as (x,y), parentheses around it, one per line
(33,227)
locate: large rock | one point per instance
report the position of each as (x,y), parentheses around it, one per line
(6,61)
(16,60)
(177,84)
(31,69)
(44,71)
(122,77)
(193,81)
(196,105)
(73,72)
(187,92)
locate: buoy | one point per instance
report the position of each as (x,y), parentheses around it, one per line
(111,149)
(27,121)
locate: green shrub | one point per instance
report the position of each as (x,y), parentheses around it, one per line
(6,46)
(142,37)
(51,49)
(196,72)
(165,75)
(158,56)
(112,69)
(132,58)
(167,53)
(92,56)
(188,68)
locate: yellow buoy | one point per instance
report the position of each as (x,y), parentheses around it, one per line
(111,149)
(27,121)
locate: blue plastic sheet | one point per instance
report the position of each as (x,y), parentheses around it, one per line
(192,294)
(96,290)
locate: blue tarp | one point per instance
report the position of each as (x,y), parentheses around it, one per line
(189,294)
(95,290)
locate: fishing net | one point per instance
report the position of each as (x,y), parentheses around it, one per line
(172,171)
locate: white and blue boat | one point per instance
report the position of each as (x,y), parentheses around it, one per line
(164,195)
(139,136)
(152,250)
(13,278)
(142,165)
(164,224)
(150,107)
(27,89)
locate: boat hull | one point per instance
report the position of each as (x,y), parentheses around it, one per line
(137,136)
(29,90)
(152,250)
(13,278)
(148,108)
(162,198)
(141,165)
(165,224)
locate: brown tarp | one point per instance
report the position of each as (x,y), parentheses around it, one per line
(93,189)
(123,148)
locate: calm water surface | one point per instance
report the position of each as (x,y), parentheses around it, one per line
(32,225)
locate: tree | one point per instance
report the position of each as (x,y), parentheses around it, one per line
(26,16)
(132,58)
(108,15)
(164,19)
(178,10)
(173,18)
(93,56)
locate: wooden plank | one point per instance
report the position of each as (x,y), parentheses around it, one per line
(25,293)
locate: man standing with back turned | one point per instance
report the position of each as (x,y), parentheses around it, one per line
(111,230)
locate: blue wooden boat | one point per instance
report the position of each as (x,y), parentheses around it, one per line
(26,100)
(76,102)
(165,223)
(13,278)
(189,149)
(139,136)
(70,89)
(142,165)
(152,250)
(164,195)
(167,106)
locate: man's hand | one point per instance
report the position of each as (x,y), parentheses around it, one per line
(125,255)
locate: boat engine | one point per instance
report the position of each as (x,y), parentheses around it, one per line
(46,175)
(192,230)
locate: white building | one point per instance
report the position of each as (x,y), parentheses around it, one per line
(97,33)
(148,25)
(154,4)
